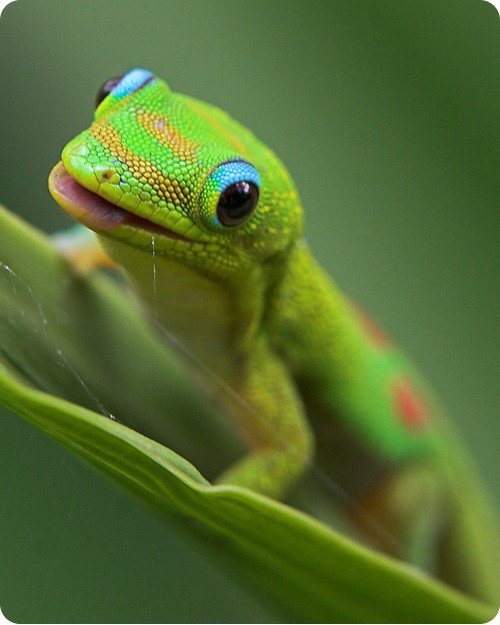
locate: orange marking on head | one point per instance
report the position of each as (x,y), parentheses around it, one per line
(162,129)
(140,168)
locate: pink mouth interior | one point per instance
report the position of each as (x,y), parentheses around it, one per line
(94,211)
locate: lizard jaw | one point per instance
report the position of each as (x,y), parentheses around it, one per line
(93,211)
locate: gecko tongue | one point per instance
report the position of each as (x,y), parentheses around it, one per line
(95,212)
(88,208)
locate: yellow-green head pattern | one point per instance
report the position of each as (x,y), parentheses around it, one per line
(183,171)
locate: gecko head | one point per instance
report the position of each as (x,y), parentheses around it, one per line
(157,163)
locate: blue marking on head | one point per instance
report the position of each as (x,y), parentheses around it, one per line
(131,81)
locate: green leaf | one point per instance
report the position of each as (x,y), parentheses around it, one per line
(61,332)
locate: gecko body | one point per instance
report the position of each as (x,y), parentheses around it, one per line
(234,280)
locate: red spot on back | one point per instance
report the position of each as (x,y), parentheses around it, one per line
(409,405)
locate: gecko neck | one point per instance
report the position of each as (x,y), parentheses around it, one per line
(213,321)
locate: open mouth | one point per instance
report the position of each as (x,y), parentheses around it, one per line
(94,211)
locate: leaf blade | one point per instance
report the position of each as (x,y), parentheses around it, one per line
(321,581)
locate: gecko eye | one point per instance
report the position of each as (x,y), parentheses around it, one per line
(125,84)
(106,89)
(237,202)
(230,194)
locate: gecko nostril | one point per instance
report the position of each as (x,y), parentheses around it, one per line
(107,175)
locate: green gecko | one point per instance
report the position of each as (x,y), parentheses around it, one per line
(159,173)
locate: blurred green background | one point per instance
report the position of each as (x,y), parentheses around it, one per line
(386,113)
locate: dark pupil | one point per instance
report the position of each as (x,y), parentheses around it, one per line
(106,89)
(237,202)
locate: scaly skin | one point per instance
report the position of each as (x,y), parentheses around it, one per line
(241,291)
